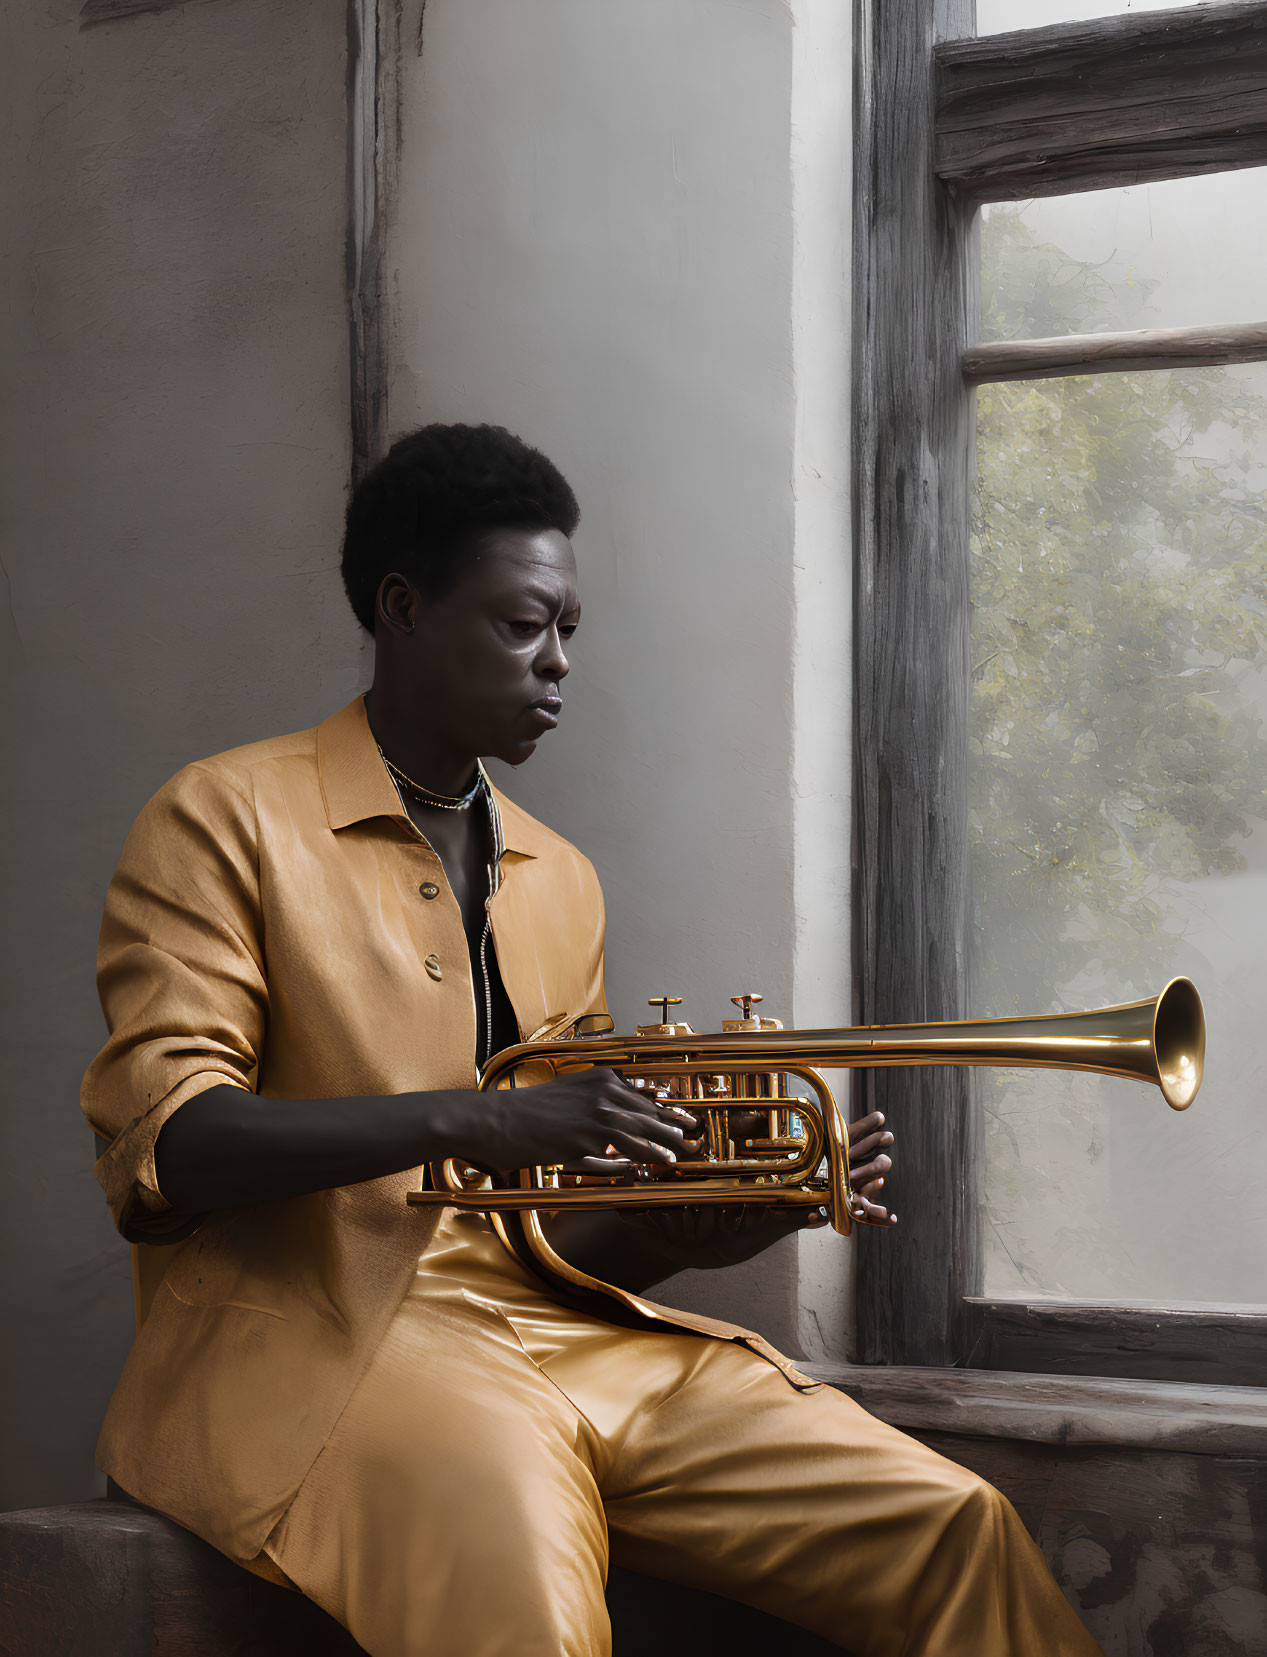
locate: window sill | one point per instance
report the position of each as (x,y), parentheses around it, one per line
(1075,1410)
(1213,1345)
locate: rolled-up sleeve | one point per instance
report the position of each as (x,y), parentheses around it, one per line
(180,972)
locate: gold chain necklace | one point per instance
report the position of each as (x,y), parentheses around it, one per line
(428,796)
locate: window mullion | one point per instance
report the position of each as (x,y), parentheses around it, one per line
(1115,353)
(915,311)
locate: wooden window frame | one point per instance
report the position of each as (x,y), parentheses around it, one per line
(945,121)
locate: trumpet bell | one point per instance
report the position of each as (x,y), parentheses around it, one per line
(1178,1041)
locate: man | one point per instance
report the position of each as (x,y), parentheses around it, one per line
(308,947)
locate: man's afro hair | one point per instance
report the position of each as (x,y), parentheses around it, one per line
(425,505)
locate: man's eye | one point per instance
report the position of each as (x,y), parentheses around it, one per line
(525,626)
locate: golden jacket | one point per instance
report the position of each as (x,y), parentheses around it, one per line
(267,927)
(277,922)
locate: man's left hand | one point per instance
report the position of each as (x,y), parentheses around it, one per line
(724,1235)
(869,1164)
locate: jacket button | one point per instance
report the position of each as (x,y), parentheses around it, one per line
(428,890)
(434,969)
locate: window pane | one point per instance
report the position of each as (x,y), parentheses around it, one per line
(1119,794)
(1168,255)
(998,16)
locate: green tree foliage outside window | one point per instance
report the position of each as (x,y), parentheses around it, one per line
(1120,596)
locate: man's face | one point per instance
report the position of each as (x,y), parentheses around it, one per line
(486,661)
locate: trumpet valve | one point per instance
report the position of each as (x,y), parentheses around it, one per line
(665,1027)
(658,1090)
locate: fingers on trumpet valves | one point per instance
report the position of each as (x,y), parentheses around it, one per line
(656,1121)
(685,1116)
(660,1092)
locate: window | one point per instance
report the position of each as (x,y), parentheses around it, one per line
(1111,594)
(1001,16)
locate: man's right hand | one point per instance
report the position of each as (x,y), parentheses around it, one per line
(572,1120)
(227,1148)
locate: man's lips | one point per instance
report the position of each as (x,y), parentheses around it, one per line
(546,711)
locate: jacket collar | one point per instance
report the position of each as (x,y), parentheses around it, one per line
(356,785)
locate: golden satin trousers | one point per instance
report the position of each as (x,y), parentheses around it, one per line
(502,1446)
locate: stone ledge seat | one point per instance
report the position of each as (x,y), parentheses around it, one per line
(111,1578)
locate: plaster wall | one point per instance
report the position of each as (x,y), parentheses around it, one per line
(820,154)
(606,236)
(174,451)
(609,235)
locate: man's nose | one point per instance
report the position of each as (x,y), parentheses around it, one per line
(552,663)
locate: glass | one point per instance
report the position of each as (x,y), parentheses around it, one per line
(1119,780)
(999,16)
(1169,255)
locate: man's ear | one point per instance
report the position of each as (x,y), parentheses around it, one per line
(396,606)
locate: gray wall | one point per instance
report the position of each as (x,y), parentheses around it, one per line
(621,231)
(618,229)
(175,450)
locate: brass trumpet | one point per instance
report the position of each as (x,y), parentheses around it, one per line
(798,1153)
